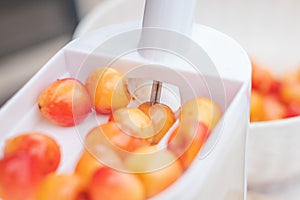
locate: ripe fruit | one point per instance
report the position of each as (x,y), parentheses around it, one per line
(110,136)
(42,148)
(19,177)
(273,108)
(162,118)
(290,92)
(65,102)
(263,80)
(156,168)
(273,99)
(256,107)
(87,165)
(187,140)
(110,184)
(133,122)
(108,90)
(62,187)
(293,110)
(203,110)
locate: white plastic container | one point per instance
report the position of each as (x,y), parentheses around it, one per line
(218,173)
(269,31)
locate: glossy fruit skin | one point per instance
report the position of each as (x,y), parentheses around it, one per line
(162,118)
(87,165)
(187,140)
(19,177)
(133,122)
(65,102)
(110,135)
(201,109)
(107,89)
(110,184)
(156,168)
(42,148)
(62,187)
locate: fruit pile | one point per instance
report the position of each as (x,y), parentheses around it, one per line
(274,98)
(124,157)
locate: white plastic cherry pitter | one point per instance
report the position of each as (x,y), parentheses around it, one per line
(190,60)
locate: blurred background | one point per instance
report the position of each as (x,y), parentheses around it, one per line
(31,32)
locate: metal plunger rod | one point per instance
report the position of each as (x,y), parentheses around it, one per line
(176,15)
(156,92)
